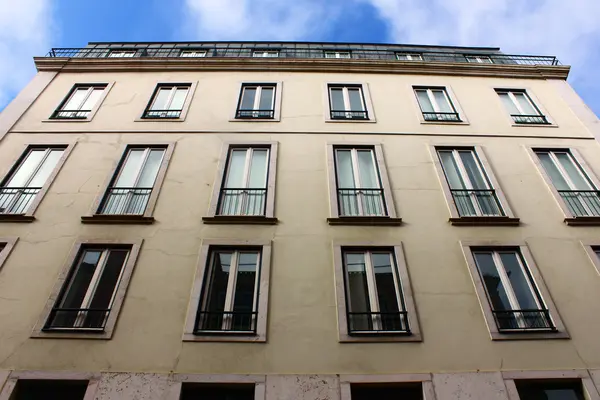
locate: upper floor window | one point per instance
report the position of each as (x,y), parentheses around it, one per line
(520,107)
(409,56)
(42,389)
(479,59)
(337,54)
(80,102)
(216,391)
(559,389)
(192,53)
(121,53)
(404,391)
(266,53)
(257,101)
(436,104)
(168,101)
(347,102)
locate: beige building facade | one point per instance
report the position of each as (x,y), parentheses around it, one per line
(299,221)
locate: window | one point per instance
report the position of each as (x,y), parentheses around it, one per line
(557,389)
(521,108)
(48,389)
(436,105)
(192,53)
(266,53)
(121,53)
(591,248)
(337,54)
(239,391)
(409,57)
(573,185)
(168,101)
(22,189)
(404,391)
(479,59)
(347,102)
(6,246)
(257,101)
(80,102)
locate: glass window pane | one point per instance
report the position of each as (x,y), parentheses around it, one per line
(92,99)
(574,172)
(245,283)
(356,103)
(178,99)
(525,104)
(248,96)
(161,99)
(508,103)
(518,281)
(74,103)
(150,170)
(129,171)
(344,169)
(471,166)
(337,99)
(357,283)
(39,179)
(491,279)
(258,169)
(555,176)
(81,278)
(235,172)
(217,282)
(424,101)
(442,101)
(266,98)
(451,171)
(367,170)
(21,177)
(108,282)
(384,280)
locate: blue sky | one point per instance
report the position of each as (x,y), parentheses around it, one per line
(567,29)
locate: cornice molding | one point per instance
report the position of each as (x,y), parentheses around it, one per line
(300,65)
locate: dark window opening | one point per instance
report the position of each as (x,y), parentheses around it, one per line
(207,391)
(562,389)
(35,389)
(388,391)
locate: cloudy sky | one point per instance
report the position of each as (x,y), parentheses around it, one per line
(567,29)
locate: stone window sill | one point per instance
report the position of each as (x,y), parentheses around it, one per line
(379,338)
(529,335)
(485,221)
(16,218)
(116,219)
(583,221)
(232,337)
(365,221)
(104,335)
(240,220)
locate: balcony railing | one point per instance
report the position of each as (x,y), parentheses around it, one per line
(376,322)
(361,202)
(77,318)
(523,320)
(162,114)
(303,51)
(70,114)
(222,321)
(582,203)
(343,114)
(250,114)
(530,119)
(441,116)
(476,202)
(241,201)
(16,200)
(125,201)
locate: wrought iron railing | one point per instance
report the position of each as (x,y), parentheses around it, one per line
(477,202)
(243,201)
(125,201)
(582,203)
(226,321)
(441,116)
(374,322)
(250,114)
(77,318)
(530,119)
(361,202)
(523,320)
(16,200)
(162,114)
(343,114)
(70,114)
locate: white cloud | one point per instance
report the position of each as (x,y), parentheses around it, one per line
(25,30)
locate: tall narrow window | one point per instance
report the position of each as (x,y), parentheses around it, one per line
(88,294)
(469,185)
(521,108)
(409,57)
(347,102)
(257,101)
(479,59)
(80,102)
(374,298)
(337,54)
(266,53)
(436,104)
(133,183)
(512,293)
(19,190)
(167,101)
(359,190)
(229,298)
(570,181)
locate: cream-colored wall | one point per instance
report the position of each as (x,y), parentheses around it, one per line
(302,327)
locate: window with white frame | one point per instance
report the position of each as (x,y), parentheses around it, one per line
(266,53)
(88,293)
(479,59)
(409,57)
(167,101)
(374,299)
(347,102)
(121,53)
(516,303)
(472,191)
(257,101)
(359,189)
(229,297)
(520,107)
(337,54)
(133,182)
(19,190)
(244,188)
(192,53)
(80,102)
(570,181)
(436,104)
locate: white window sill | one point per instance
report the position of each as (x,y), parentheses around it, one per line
(444,122)
(535,125)
(255,120)
(67,120)
(360,121)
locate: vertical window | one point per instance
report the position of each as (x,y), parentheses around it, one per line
(559,389)
(88,294)
(257,101)
(229,298)
(19,190)
(40,389)
(479,59)
(194,391)
(470,187)
(370,391)
(347,102)
(80,102)
(436,105)
(514,298)
(570,181)
(266,53)
(409,57)
(121,53)
(167,101)
(192,53)
(521,108)
(337,54)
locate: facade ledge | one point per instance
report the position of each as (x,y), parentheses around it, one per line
(240,220)
(530,335)
(583,221)
(383,338)
(225,337)
(116,219)
(485,221)
(103,335)
(16,218)
(365,221)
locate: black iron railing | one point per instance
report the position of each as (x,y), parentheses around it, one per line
(304,51)
(375,322)
(125,201)
(241,201)
(16,200)
(582,203)
(225,321)
(441,116)
(70,114)
(523,320)
(250,114)
(162,114)
(343,114)
(476,202)
(77,318)
(530,119)
(361,202)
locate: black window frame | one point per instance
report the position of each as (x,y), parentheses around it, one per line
(56,114)
(354,115)
(256,114)
(169,114)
